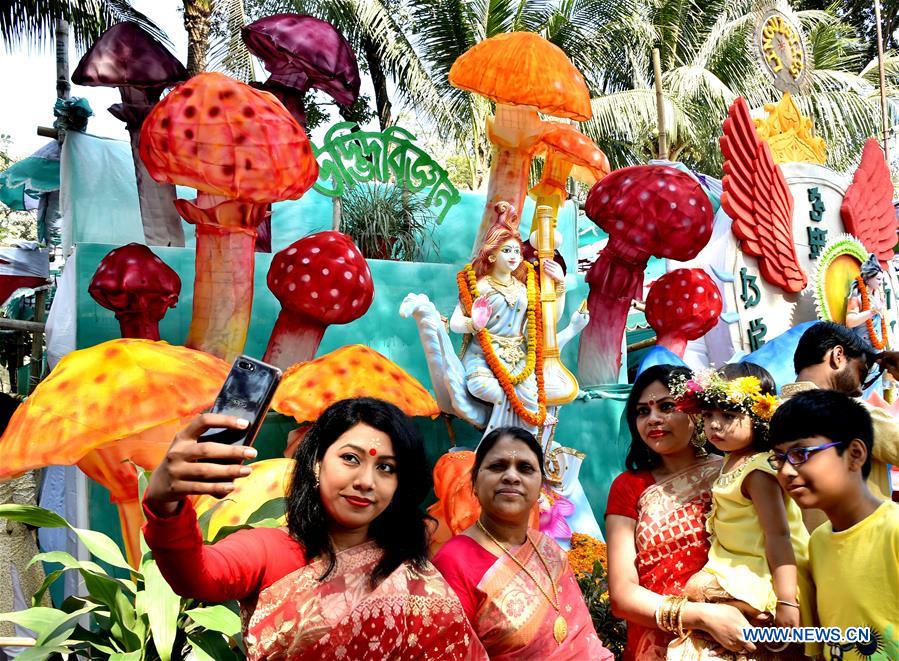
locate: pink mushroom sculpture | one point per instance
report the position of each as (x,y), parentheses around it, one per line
(322,279)
(138,286)
(682,305)
(646,210)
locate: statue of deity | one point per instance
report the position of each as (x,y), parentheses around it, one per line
(499,380)
(866,305)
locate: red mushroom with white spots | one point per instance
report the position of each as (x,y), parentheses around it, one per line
(322,279)
(138,286)
(682,305)
(647,210)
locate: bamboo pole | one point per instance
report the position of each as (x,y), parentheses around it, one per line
(883,87)
(37,340)
(62,60)
(660,104)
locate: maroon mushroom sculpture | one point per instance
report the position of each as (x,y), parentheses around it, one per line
(647,210)
(682,305)
(301,53)
(322,279)
(138,286)
(127,57)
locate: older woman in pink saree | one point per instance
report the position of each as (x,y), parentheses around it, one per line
(515,584)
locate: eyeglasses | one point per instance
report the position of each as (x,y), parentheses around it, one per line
(509,250)
(796,456)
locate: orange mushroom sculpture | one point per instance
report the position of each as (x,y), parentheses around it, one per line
(107,406)
(567,153)
(524,74)
(242,150)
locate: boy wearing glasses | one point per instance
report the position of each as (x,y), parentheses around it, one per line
(831,357)
(822,444)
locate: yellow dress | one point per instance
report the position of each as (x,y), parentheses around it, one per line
(737,555)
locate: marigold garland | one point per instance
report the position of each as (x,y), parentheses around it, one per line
(869,323)
(468,291)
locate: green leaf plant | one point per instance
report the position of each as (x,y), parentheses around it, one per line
(130,619)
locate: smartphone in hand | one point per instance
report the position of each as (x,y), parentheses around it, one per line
(246,393)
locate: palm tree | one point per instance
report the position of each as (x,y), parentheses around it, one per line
(32,21)
(706,64)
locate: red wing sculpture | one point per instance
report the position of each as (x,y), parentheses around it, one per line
(759,202)
(867,209)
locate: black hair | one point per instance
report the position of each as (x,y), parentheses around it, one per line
(823,336)
(732,371)
(828,413)
(640,456)
(8,406)
(494,437)
(400,530)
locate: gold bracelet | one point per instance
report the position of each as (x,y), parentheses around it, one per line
(680,619)
(787,603)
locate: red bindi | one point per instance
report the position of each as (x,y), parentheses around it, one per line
(372,452)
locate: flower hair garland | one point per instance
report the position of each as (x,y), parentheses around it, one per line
(707,389)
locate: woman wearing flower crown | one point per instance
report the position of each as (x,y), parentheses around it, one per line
(764,575)
(866,305)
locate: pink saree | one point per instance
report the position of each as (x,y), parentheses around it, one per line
(516,621)
(409,615)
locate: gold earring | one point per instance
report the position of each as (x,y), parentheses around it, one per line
(698,440)
(316,470)
(492,258)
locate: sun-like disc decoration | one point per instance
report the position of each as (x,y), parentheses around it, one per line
(840,263)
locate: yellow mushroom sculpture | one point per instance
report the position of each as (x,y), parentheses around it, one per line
(108,408)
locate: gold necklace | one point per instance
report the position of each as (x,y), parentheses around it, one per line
(560,626)
(507,290)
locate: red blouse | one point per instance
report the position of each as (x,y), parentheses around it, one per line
(625,492)
(238,567)
(463,563)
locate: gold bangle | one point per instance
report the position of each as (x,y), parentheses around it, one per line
(680,620)
(560,287)
(787,603)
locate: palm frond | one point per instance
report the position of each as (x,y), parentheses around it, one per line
(33,22)
(227,51)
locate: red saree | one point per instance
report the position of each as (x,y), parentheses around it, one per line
(515,620)
(671,539)
(409,615)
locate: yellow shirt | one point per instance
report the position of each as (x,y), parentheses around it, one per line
(737,556)
(856,572)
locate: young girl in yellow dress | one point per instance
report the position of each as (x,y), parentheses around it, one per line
(758,559)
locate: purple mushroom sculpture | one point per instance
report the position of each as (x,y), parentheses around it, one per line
(127,57)
(301,53)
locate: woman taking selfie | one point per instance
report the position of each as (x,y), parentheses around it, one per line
(515,583)
(349,576)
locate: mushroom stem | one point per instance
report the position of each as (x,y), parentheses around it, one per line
(295,339)
(138,324)
(615,279)
(131,518)
(508,183)
(223,284)
(162,224)
(675,343)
